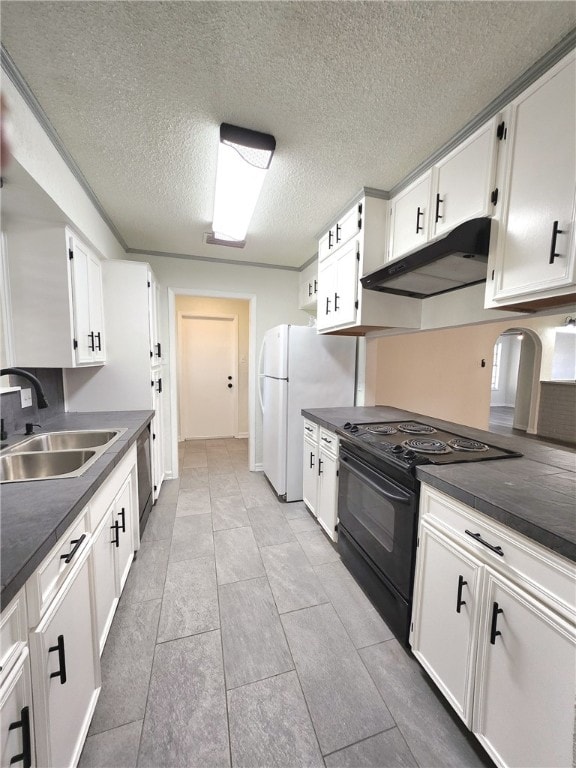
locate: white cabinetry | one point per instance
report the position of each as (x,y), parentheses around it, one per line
(410,217)
(133,377)
(308,290)
(56,297)
(534,257)
(493,625)
(351,249)
(310,466)
(65,669)
(114,521)
(16,713)
(459,187)
(464,181)
(320,475)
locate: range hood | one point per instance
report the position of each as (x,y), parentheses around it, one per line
(455,261)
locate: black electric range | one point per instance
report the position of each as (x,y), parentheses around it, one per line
(407,444)
(378,502)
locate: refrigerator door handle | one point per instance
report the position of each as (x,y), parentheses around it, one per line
(261,375)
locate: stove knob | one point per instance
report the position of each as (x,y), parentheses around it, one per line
(354,428)
(397,449)
(410,454)
(347,425)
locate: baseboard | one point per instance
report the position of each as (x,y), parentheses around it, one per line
(258,467)
(242,435)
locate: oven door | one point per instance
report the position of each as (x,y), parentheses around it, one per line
(380,516)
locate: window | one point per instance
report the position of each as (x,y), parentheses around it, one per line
(496,365)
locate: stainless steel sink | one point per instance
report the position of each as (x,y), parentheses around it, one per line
(66,441)
(42,465)
(55,454)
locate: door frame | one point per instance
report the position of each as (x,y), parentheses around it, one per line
(173,410)
(187,314)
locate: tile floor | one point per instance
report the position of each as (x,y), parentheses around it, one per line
(241,639)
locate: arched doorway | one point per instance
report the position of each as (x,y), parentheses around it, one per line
(514,384)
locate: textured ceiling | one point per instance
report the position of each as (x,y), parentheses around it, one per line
(356,93)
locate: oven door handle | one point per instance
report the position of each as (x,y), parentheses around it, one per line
(379,487)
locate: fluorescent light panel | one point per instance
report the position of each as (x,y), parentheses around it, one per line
(244,156)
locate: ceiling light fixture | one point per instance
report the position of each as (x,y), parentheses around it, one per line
(244,156)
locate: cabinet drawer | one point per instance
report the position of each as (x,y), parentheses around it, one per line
(310,430)
(47,580)
(537,568)
(13,633)
(328,441)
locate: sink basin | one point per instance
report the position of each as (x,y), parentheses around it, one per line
(42,465)
(66,441)
(55,454)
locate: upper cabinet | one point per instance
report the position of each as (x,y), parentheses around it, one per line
(355,246)
(533,258)
(308,290)
(56,298)
(410,217)
(464,181)
(459,187)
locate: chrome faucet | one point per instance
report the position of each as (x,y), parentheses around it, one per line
(40,396)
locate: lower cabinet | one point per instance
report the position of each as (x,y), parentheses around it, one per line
(320,476)
(114,520)
(524,701)
(65,671)
(53,632)
(493,623)
(16,716)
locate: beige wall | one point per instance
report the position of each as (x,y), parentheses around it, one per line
(241,308)
(439,372)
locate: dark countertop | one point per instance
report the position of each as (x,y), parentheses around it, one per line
(534,495)
(35,514)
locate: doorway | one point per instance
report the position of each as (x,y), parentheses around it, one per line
(514,385)
(212,338)
(208,350)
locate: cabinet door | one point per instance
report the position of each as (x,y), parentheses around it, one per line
(325,316)
(80,274)
(96,302)
(124,519)
(465,180)
(156,430)
(86,276)
(64,675)
(104,572)
(537,242)
(153,308)
(326,245)
(310,474)
(348,226)
(16,725)
(410,212)
(346,288)
(326,509)
(444,617)
(525,690)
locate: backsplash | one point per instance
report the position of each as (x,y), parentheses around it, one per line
(15,417)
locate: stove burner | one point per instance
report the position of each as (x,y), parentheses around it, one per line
(465,444)
(426,445)
(380,429)
(413,428)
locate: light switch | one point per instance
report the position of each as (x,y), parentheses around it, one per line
(26,398)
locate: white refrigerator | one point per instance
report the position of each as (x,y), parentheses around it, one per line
(299,369)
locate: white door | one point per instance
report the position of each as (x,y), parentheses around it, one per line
(208,376)
(410,217)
